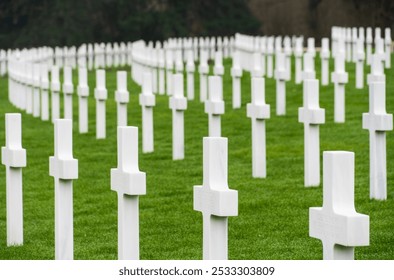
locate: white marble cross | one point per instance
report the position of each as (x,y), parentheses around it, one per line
(311,47)
(236,73)
(379,50)
(377,121)
(312,116)
(281,77)
(218,69)
(28,81)
(214,106)
(178,104)
(203,69)
(377,70)
(68,90)
(121,97)
(64,169)
(83,94)
(214,199)
(55,93)
(270,53)
(258,111)
(13,156)
(44,84)
(36,90)
(101,95)
(309,67)
(147,101)
(337,224)
(387,49)
(169,70)
(298,53)
(359,56)
(354,44)
(369,41)
(178,61)
(287,50)
(339,78)
(348,44)
(161,66)
(129,182)
(325,58)
(190,68)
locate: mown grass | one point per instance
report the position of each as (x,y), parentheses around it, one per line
(273,212)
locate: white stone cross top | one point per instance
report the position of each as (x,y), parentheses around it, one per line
(258,111)
(339,78)
(28,81)
(121,97)
(281,77)
(178,104)
(67,92)
(83,94)
(387,49)
(311,47)
(178,61)
(129,182)
(170,68)
(359,56)
(377,121)
(287,50)
(298,53)
(101,95)
(348,44)
(64,169)
(325,56)
(161,66)
(214,199)
(13,156)
(218,69)
(337,224)
(147,102)
(377,71)
(214,106)
(270,52)
(309,67)
(354,44)
(311,115)
(203,69)
(236,73)
(55,96)
(190,68)
(369,40)
(44,84)
(36,90)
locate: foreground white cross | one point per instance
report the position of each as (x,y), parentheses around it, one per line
(64,169)
(147,102)
(178,105)
(83,94)
(236,73)
(339,78)
(121,97)
(337,224)
(214,106)
(311,115)
(101,94)
(68,90)
(129,182)
(258,111)
(377,121)
(55,89)
(214,199)
(13,156)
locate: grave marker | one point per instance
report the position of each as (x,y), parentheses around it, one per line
(339,78)
(377,121)
(178,104)
(190,68)
(121,97)
(203,69)
(55,90)
(44,84)
(214,106)
(68,90)
(129,183)
(83,94)
(236,73)
(337,224)
(147,101)
(36,90)
(312,116)
(13,156)
(309,67)
(101,95)
(298,53)
(325,58)
(387,43)
(64,169)
(280,76)
(169,68)
(369,44)
(359,57)
(214,199)
(258,111)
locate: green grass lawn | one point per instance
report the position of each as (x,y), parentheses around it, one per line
(273,212)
